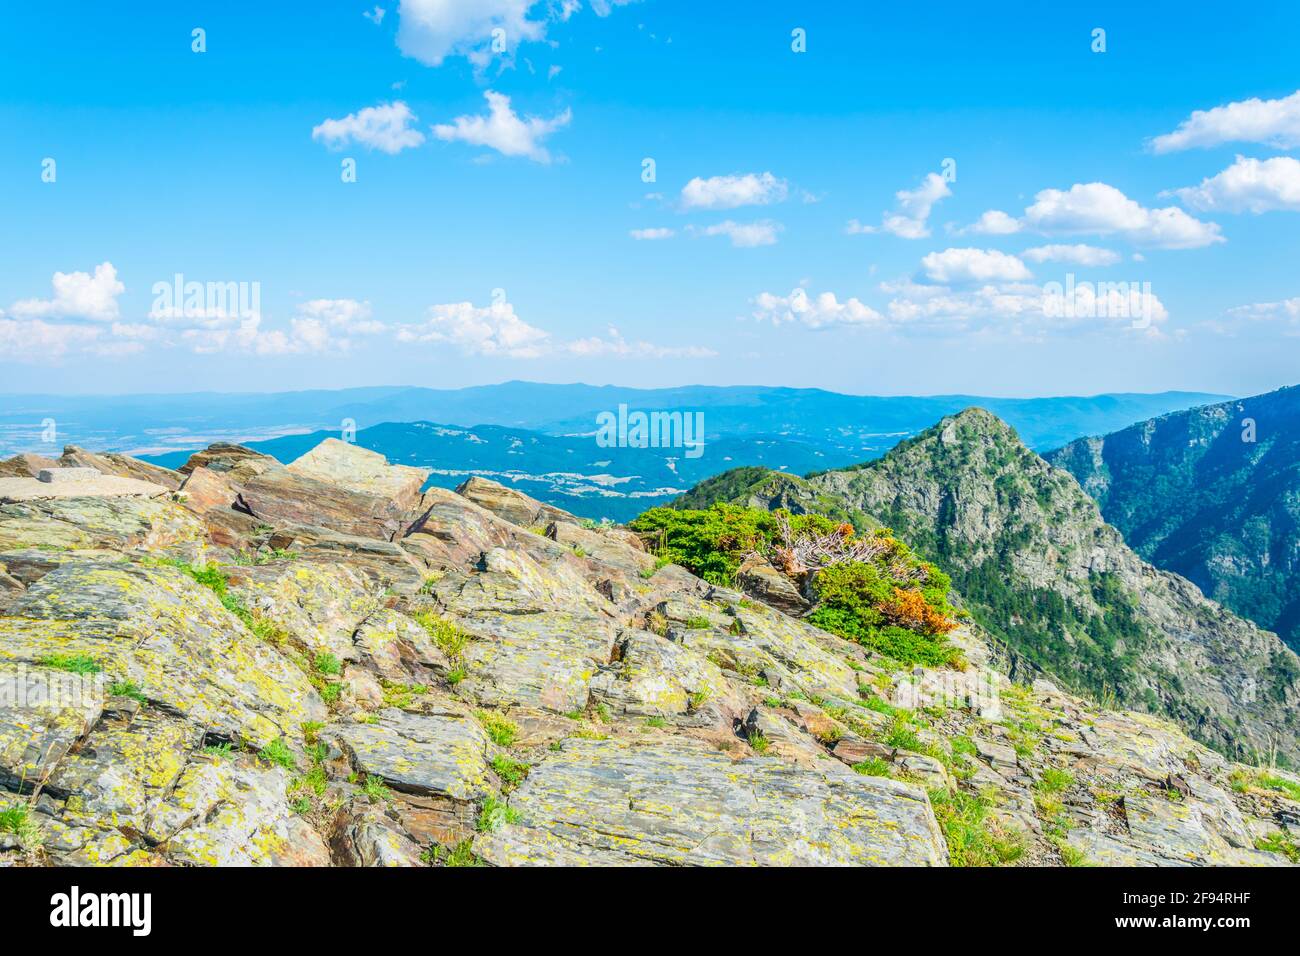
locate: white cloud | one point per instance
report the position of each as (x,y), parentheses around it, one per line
(496,331)
(973,265)
(375,16)
(37,341)
(1022,311)
(912,210)
(344,315)
(817,312)
(305,335)
(1079,255)
(1270,122)
(386,127)
(762,232)
(995,222)
(77,295)
(655,233)
(1248,185)
(1285,312)
(503,130)
(730,192)
(432,30)
(615,346)
(478,330)
(1099,209)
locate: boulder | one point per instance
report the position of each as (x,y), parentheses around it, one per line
(511,505)
(337,486)
(361,470)
(757,578)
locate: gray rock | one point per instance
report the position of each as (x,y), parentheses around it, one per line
(612,803)
(444,754)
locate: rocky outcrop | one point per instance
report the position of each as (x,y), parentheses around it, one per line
(373,675)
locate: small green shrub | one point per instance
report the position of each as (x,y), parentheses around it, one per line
(495,814)
(126,688)
(277,752)
(73,663)
(973,839)
(501,730)
(511,772)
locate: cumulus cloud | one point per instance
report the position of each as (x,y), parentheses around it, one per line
(493,330)
(386,127)
(912,210)
(247,335)
(995,222)
(433,30)
(973,265)
(655,233)
(815,312)
(744,234)
(503,130)
(1248,185)
(730,192)
(1269,122)
(77,295)
(375,16)
(344,315)
(1079,255)
(1100,209)
(497,331)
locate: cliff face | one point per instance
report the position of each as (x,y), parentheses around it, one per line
(1212,494)
(318,664)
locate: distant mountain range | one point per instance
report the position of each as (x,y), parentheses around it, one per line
(1212,493)
(541,438)
(570,472)
(862,425)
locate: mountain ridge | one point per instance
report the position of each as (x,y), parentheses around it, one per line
(1234,471)
(1031,555)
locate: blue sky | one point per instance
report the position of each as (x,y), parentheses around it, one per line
(475,247)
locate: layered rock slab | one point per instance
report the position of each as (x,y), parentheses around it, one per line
(618,803)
